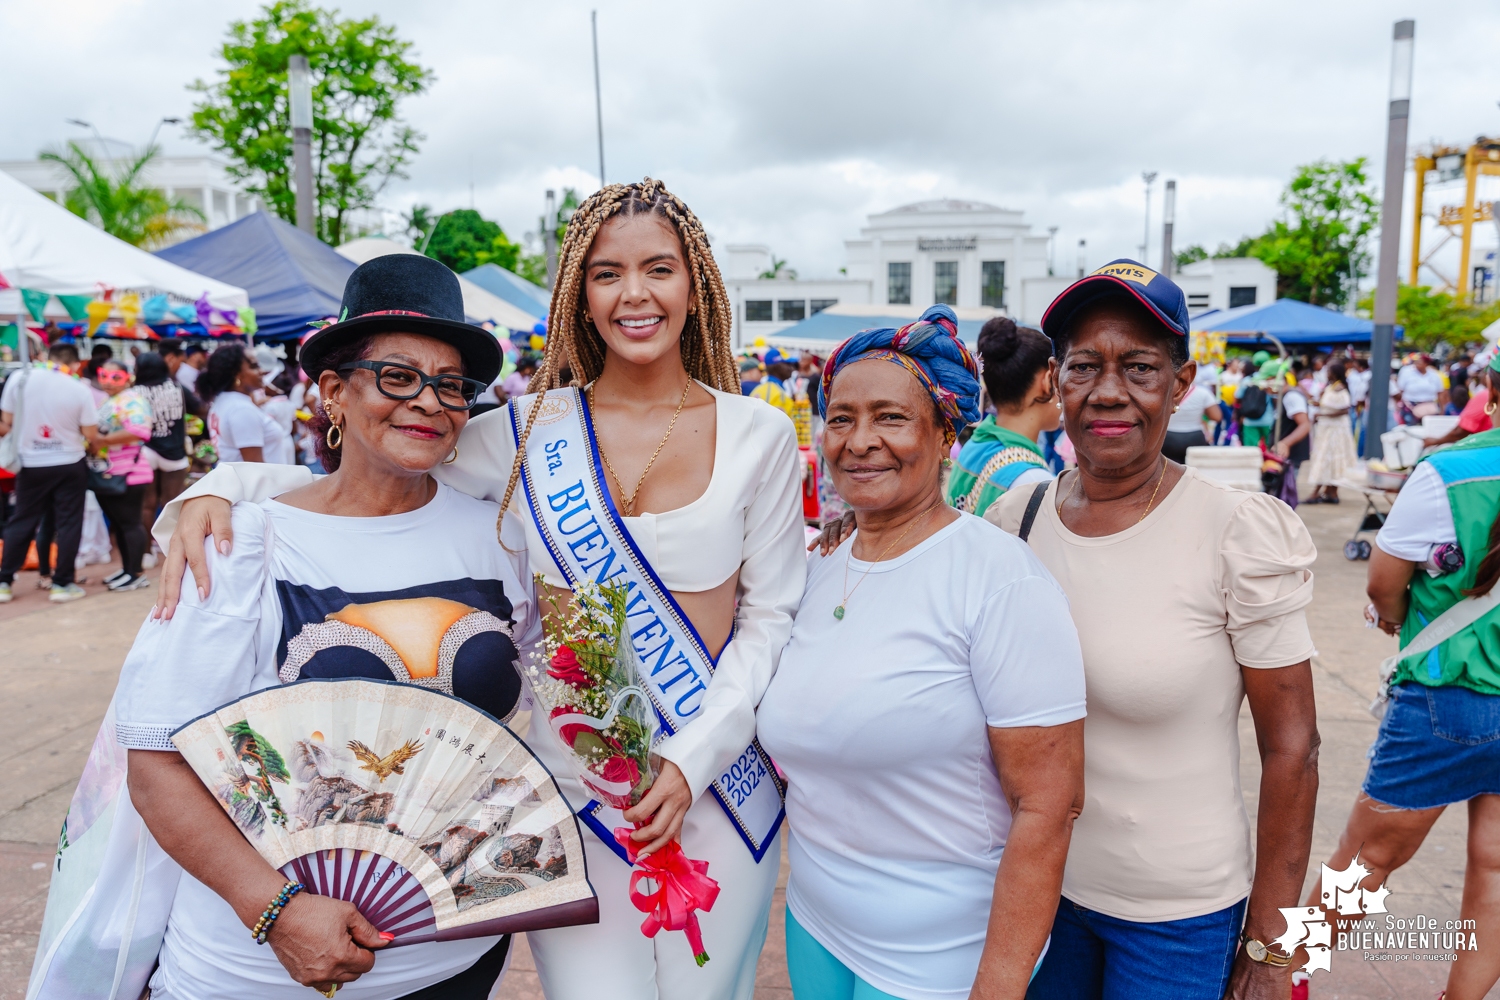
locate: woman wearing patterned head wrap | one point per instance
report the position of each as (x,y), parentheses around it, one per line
(928,709)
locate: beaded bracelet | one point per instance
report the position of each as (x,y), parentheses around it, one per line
(268,917)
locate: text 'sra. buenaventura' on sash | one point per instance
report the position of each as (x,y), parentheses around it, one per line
(588,540)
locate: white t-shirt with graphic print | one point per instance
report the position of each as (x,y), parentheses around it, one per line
(290,568)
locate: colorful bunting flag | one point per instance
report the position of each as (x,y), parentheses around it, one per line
(76,305)
(35,302)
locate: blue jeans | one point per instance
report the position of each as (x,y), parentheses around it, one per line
(1097,957)
(1437,746)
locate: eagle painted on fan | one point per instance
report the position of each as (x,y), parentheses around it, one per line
(391,763)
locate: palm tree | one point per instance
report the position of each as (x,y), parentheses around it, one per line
(118,204)
(779,271)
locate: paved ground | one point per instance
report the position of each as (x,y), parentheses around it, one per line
(61,664)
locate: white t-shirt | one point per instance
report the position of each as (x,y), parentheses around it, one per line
(54,409)
(282,450)
(235,422)
(880,720)
(1420,519)
(1359,385)
(1419,387)
(1293,402)
(319,564)
(1189,415)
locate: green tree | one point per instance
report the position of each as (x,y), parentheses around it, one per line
(1430,317)
(779,271)
(419,223)
(1191,255)
(360,74)
(1320,250)
(464,240)
(115,201)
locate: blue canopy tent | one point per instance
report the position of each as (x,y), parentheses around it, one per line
(822,332)
(1285,321)
(293,279)
(511,287)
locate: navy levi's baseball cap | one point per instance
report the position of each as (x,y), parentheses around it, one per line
(1155,291)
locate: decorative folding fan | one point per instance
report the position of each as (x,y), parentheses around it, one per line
(432,818)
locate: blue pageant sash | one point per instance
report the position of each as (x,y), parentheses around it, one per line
(563,481)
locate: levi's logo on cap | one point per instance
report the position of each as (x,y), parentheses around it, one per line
(1137,273)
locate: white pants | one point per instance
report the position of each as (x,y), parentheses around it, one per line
(613,958)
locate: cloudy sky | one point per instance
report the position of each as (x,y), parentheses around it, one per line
(786,123)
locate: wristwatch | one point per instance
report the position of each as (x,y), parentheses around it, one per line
(1258,952)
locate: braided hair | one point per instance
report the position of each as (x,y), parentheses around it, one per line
(574,343)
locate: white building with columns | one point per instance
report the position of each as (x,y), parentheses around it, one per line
(981,259)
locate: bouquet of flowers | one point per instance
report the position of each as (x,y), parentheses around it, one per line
(586,678)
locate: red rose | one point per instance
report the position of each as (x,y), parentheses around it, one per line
(622,769)
(565,667)
(568,733)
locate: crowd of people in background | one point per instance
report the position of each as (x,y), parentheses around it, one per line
(104,443)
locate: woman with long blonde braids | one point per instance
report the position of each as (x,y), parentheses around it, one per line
(648,469)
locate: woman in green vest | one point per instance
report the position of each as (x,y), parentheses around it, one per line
(1439,742)
(1003,452)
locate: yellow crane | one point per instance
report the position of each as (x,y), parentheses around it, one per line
(1450,163)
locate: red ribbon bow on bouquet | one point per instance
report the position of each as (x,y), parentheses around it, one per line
(682,886)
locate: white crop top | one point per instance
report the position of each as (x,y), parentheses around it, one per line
(749,520)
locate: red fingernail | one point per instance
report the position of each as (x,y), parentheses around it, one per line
(387,936)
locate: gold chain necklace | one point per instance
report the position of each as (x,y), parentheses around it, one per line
(1077,476)
(838,612)
(627,503)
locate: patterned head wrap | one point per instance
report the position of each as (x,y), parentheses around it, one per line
(931,351)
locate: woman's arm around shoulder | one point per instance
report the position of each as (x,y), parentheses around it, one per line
(179,530)
(210,653)
(773,572)
(1007,512)
(486,450)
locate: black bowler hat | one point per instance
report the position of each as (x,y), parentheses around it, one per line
(405,293)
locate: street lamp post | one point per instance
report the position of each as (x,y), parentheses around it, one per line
(598,100)
(299,79)
(549,235)
(1082,247)
(1168,214)
(1404,38)
(1149,176)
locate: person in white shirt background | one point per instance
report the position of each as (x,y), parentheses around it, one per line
(275,403)
(1189,424)
(240,430)
(53,414)
(1421,389)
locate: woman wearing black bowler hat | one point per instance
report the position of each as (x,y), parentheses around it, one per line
(392,558)
(694,490)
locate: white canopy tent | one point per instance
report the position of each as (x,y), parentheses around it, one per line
(44,246)
(479,304)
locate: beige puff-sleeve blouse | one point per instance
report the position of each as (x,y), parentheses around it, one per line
(1168,611)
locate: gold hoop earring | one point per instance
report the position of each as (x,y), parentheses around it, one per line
(453,457)
(1490,407)
(334,430)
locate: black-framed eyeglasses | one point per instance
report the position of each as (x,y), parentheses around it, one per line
(398,381)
